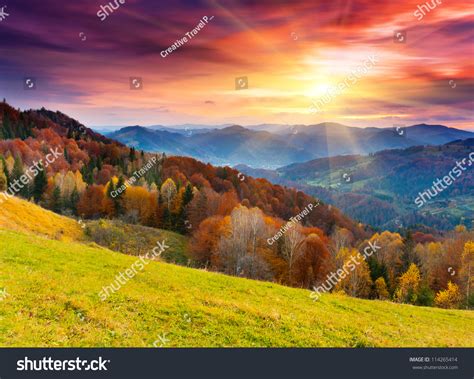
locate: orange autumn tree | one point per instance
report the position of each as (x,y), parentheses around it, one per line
(91,202)
(203,244)
(139,205)
(227,202)
(312,264)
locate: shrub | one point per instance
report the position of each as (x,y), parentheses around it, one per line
(425,296)
(470,302)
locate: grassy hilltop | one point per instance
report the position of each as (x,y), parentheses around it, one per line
(53,279)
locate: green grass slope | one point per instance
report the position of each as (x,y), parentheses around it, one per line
(137,239)
(26,217)
(52,300)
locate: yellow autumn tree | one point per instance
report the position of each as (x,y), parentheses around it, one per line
(381,289)
(409,283)
(10,162)
(80,184)
(460,229)
(59,180)
(3,178)
(467,270)
(69,183)
(178,200)
(168,192)
(449,298)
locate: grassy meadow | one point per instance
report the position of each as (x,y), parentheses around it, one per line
(52,276)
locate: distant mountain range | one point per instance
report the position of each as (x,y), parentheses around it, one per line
(381,188)
(272,146)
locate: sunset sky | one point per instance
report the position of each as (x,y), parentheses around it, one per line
(291,52)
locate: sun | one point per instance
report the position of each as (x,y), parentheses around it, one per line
(319,90)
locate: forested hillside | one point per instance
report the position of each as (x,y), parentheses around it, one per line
(382,189)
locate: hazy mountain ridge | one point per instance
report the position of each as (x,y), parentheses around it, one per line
(262,147)
(380,189)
